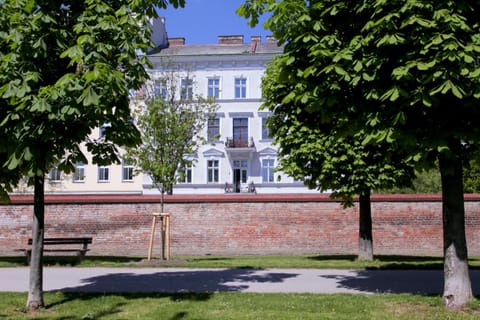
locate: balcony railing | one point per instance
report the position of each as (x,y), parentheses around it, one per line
(240,187)
(239,143)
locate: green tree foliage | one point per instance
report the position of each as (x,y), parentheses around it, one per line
(427,182)
(412,68)
(66,67)
(471,175)
(171,126)
(312,149)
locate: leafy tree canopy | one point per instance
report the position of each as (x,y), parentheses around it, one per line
(171,124)
(404,72)
(419,55)
(312,148)
(66,67)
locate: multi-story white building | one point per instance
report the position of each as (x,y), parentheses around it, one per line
(239,159)
(239,156)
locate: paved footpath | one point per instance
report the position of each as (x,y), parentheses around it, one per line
(71,279)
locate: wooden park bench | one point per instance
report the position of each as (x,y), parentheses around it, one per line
(68,244)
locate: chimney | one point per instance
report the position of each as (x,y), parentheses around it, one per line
(230,39)
(271,40)
(255,40)
(176,42)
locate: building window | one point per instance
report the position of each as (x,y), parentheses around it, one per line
(213,129)
(160,88)
(213,88)
(240,88)
(212,171)
(240,132)
(54,175)
(102,130)
(265,130)
(127,170)
(267,170)
(79,174)
(186,88)
(186,174)
(103,174)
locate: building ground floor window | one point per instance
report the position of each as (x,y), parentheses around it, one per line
(268,170)
(103,174)
(213,171)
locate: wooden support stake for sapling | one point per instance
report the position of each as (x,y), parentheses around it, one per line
(165,235)
(152,234)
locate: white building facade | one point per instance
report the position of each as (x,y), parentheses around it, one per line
(239,156)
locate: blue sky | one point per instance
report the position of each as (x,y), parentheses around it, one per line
(201,21)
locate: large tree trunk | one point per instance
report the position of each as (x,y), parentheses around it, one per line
(35,293)
(457,287)
(365,241)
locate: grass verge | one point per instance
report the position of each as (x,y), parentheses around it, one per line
(232,306)
(259,262)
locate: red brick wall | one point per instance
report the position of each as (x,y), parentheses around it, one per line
(239,224)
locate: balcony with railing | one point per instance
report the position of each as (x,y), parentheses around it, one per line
(240,187)
(239,143)
(239,146)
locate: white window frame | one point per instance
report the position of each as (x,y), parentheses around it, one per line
(213,87)
(240,88)
(266,135)
(102,173)
(213,171)
(101,130)
(216,136)
(186,88)
(187,175)
(79,173)
(127,167)
(268,171)
(54,175)
(160,88)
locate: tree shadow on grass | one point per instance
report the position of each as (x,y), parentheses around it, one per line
(70,260)
(333,257)
(112,259)
(395,262)
(87,296)
(178,286)
(117,307)
(389,262)
(50,260)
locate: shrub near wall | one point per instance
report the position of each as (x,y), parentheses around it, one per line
(239,224)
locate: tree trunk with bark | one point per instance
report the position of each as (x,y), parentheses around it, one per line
(35,292)
(457,286)
(365,241)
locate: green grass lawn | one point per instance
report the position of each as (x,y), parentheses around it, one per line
(299,261)
(240,306)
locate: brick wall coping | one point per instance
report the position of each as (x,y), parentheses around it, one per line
(115,198)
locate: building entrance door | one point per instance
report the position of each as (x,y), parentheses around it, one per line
(239,173)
